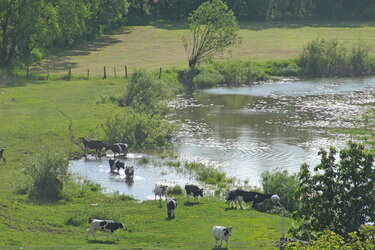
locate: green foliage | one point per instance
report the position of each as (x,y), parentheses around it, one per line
(47,170)
(208,78)
(213,29)
(138,130)
(207,174)
(145,93)
(339,196)
(175,190)
(330,240)
(282,184)
(322,58)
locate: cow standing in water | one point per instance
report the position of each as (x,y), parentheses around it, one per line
(116,164)
(93,144)
(118,148)
(129,172)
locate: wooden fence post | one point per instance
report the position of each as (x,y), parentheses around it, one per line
(88,73)
(114,71)
(69,73)
(47,74)
(126,71)
(27,72)
(105,73)
(160,73)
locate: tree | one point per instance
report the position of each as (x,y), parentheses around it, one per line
(339,197)
(213,29)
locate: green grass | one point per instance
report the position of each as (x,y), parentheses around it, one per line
(36,115)
(159,45)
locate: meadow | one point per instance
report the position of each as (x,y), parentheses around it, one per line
(159,44)
(35,115)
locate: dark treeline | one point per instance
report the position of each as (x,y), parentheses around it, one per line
(31,28)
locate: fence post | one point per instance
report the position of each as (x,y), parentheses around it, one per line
(88,73)
(69,73)
(160,73)
(114,71)
(27,72)
(47,74)
(126,71)
(105,73)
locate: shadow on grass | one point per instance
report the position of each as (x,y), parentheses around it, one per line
(191,204)
(169,219)
(102,242)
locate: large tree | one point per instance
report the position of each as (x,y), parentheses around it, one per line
(213,28)
(340,196)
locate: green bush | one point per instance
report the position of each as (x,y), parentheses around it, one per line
(138,130)
(175,190)
(47,170)
(145,93)
(327,58)
(207,79)
(282,184)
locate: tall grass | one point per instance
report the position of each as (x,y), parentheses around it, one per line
(327,58)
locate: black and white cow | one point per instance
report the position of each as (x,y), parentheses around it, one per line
(221,233)
(249,196)
(171,207)
(116,164)
(118,148)
(129,172)
(2,155)
(105,226)
(93,144)
(231,197)
(160,190)
(193,190)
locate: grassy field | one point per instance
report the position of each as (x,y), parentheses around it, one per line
(36,115)
(159,45)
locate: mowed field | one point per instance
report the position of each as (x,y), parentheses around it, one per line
(160,45)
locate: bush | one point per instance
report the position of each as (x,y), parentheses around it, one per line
(138,130)
(327,58)
(47,170)
(145,93)
(175,190)
(207,79)
(282,184)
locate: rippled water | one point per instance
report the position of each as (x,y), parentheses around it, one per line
(246,130)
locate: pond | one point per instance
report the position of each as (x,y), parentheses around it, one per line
(244,131)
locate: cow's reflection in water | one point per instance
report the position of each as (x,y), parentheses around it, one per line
(129,181)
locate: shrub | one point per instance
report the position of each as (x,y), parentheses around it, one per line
(207,79)
(47,170)
(145,93)
(325,58)
(175,190)
(138,130)
(282,184)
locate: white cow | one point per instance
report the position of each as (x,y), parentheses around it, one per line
(221,233)
(160,190)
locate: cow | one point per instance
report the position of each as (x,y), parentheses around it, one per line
(119,148)
(93,144)
(160,190)
(249,196)
(231,197)
(221,233)
(129,172)
(171,207)
(193,190)
(116,164)
(2,155)
(109,226)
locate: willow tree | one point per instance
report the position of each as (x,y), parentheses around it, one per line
(213,28)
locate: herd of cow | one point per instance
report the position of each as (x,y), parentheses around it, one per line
(220,233)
